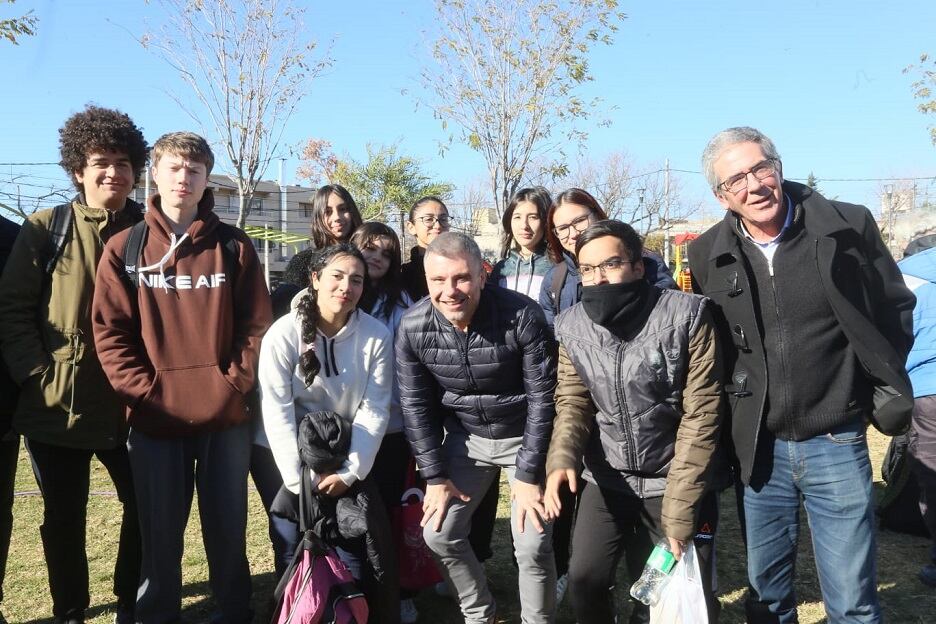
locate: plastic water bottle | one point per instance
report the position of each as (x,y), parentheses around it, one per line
(656,574)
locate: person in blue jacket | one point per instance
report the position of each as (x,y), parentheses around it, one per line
(919,272)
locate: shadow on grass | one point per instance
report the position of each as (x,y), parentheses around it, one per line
(200,609)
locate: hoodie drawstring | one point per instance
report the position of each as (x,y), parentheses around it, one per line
(173,245)
(331,368)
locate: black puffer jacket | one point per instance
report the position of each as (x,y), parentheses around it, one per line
(495,381)
(356,521)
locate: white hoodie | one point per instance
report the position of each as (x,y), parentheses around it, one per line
(355,382)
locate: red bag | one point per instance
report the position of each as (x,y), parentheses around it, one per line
(417,567)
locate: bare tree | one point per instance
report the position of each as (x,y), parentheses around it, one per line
(248,63)
(505,73)
(465,209)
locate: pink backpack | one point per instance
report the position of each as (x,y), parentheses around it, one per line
(317,588)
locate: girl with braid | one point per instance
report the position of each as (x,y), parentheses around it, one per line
(326,355)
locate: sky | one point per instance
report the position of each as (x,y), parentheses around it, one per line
(822,78)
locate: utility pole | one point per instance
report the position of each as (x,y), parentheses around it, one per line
(266,256)
(666,210)
(283,216)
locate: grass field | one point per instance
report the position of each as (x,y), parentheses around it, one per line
(904,598)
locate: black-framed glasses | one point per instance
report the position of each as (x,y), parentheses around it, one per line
(611,266)
(762,170)
(430,219)
(562,231)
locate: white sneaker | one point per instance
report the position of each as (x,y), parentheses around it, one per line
(562,584)
(408,612)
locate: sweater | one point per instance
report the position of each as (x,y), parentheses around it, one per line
(522,275)
(392,323)
(178,350)
(355,382)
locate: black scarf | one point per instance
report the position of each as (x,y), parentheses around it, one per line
(620,308)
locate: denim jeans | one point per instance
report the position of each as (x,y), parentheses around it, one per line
(284,533)
(831,473)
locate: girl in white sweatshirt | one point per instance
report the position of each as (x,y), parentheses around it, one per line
(327,355)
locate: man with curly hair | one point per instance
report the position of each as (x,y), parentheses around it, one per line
(67,410)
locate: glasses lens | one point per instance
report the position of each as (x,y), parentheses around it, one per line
(587,271)
(764,170)
(736,183)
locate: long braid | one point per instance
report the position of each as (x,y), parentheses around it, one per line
(308,362)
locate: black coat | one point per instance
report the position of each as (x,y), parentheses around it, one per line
(8,388)
(865,291)
(495,381)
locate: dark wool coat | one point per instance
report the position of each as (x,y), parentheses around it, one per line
(864,288)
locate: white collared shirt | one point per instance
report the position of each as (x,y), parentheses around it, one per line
(769,248)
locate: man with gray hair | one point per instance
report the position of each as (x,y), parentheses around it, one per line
(816,324)
(477,374)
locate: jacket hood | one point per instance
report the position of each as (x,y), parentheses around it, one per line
(920,265)
(570,262)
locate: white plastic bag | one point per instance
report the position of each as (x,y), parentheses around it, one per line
(683,601)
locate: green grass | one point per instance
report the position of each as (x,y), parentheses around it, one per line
(904,598)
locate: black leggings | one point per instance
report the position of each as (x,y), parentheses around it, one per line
(612,524)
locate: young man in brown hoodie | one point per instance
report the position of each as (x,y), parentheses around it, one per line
(178,333)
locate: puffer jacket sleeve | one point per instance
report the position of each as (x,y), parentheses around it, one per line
(656,272)
(575,418)
(699,430)
(419,400)
(21,291)
(539,382)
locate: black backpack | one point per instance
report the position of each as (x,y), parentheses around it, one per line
(133,251)
(60,226)
(898,508)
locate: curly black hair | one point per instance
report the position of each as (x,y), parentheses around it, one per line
(100,129)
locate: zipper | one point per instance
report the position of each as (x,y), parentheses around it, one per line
(628,431)
(472,385)
(302,587)
(780,350)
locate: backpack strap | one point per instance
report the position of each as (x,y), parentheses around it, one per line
(227,235)
(62,216)
(558,281)
(133,255)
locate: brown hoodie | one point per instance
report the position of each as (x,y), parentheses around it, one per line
(182,353)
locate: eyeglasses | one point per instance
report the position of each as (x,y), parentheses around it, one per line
(762,170)
(562,231)
(429,220)
(609,267)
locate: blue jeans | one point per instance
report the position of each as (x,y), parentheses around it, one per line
(832,475)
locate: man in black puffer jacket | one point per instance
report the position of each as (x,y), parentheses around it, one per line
(477,375)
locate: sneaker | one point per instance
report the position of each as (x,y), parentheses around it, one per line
(562,584)
(408,612)
(927,575)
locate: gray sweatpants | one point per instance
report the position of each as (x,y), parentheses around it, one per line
(923,451)
(165,474)
(473,463)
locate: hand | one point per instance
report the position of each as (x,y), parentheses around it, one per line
(677,546)
(553,484)
(332,485)
(529,500)
(436,501)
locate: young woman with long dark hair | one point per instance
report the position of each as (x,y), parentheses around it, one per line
(524,262)
(326,355)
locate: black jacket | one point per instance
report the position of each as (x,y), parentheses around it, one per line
(495,381)
(9,391)
(865,291)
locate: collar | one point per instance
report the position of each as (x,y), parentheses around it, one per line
(820,217)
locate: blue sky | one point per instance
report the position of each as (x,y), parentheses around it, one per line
(822,78)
